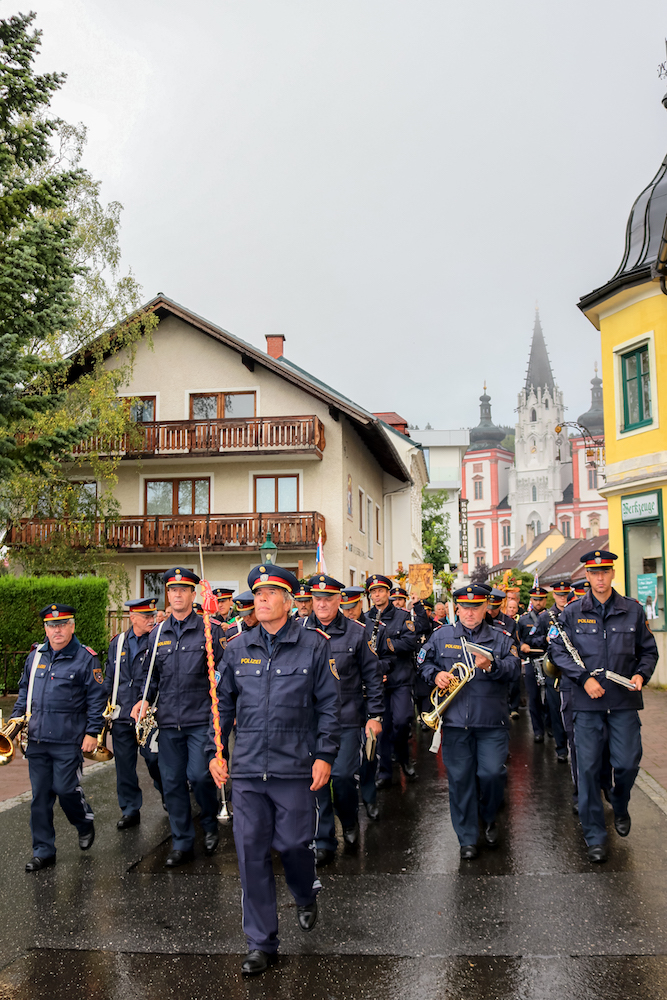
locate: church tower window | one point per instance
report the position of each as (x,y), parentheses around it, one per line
(534,494)
(533,416)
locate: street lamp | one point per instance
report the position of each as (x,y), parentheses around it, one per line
(268,549)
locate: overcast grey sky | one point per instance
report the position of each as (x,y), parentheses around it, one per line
(392,184)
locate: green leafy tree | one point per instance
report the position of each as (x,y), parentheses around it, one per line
(63,309)
(435,528)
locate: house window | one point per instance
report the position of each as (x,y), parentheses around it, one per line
(142,410)
(592,479)
(276,493)
(377,525)
(636,388)
(534,494)
(506,534)
(479,489)
(550,552)
(362,511)
(222,405)
(565,527)
(479,560)
(479,537)
(152,586)
(369,522)
(177,496)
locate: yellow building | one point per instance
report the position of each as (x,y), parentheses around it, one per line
(630,311)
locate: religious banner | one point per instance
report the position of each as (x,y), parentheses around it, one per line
(420,578)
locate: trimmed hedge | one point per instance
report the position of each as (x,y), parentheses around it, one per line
(22,598)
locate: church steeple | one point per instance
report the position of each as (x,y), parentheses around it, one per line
(539,374)
(486,435)
(593,419)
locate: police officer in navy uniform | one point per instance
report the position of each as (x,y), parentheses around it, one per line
(66,708)
(396,648)
(224,596)
(181,684)
(362,704)
(610,633)
(475,725)
(531,634)
(499,619)
(280,682)
(244,619)
(303,600)
(133,667)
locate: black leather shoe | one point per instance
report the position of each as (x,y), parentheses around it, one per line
(468,852)
(211,841)
(492,834)
(561,758)
(257,961)
(307,916)
(324,856)
(176,858)
(538,739)
(86,839)
(372,810)
(575,808)
(125,822)
(409,771)
(622,824)
(351,835)
(597,853)
(36,864)
(381,783)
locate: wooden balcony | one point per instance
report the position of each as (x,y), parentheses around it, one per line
(218,532)
(183,438)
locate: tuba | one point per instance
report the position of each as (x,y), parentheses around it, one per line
(7,736)
(101,751)
(462,674)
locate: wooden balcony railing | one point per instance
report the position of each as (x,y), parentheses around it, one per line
(254,436)
(218,532)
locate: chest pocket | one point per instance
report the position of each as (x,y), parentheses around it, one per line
(60,688)
(621,637)
(290,686)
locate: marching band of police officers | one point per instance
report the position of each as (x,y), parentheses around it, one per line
(307,685)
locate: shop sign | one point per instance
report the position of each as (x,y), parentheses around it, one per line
(639,508)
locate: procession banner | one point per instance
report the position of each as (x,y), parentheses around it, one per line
(420,578)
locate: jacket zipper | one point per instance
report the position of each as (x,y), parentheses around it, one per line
(268,678)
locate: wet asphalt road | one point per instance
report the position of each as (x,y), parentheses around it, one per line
(403,918)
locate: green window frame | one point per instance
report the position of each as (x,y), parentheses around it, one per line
(636,375)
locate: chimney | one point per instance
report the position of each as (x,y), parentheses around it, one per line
(274,345)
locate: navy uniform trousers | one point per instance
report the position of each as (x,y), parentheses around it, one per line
(568,723)
(125,749)
(398,714)
(622,729)
(278,813)
(183,758)
(534,695)
(55,770)
(344,787)
(477,775)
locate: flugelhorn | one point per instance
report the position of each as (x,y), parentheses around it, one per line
(101,751)
(7,736)
(441,700)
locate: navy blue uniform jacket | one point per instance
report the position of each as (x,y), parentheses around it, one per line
(503,621)
(397,644)
(621,641)
(287,706)
(180,673)
(483,701)
(133,670)
(68,696)
(532,632)
(357,667)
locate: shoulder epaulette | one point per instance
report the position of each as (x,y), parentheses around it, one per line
(90,650)
(35,645)
(361,624)
(325,634)
(215,621)
(114,636)
(230,638)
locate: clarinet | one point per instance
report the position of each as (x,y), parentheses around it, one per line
(567,642)
(373,641)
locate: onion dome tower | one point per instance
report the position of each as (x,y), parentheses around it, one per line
(486,435)
(593,419)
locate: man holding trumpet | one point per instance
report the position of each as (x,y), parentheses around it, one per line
(475,726)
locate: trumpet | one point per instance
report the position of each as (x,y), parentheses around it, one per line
(101,751)
(7,736)
(462,674)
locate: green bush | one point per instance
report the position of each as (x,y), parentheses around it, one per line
(22,598)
